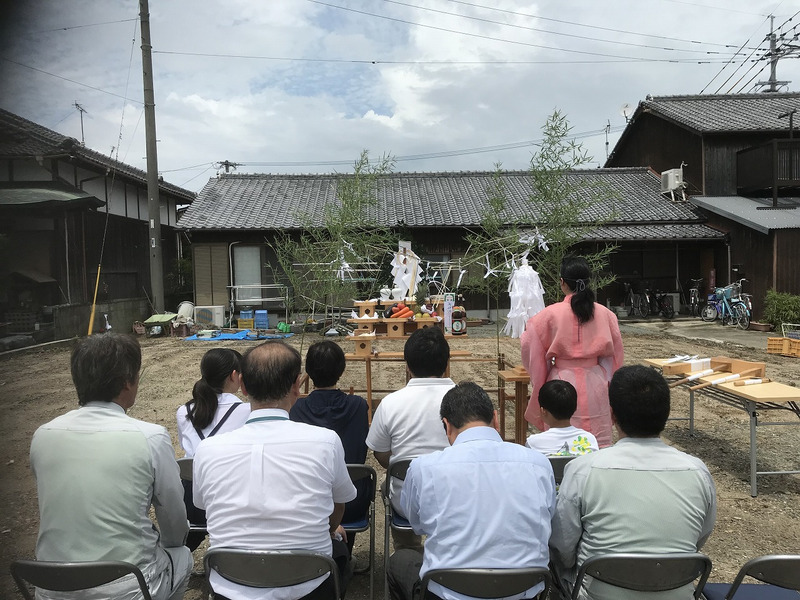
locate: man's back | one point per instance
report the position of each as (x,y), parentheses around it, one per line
(407,421)
(638,496)
(482,503)
(271,485)
(97,472)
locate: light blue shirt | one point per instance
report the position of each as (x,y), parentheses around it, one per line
(483,503)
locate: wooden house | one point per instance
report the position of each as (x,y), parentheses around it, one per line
(65,210)
(235,216)
(740,164)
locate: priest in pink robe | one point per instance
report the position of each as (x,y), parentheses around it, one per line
(576,340)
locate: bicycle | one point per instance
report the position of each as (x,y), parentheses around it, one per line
(635,302)
(726,304)
(694,296)
(662,302)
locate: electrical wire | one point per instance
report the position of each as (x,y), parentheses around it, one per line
(91,87)
(598,27)
(487,37)
(545,31)
(432,155)
(81,26)
(436,62)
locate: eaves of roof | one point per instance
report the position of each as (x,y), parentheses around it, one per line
(755,213)
(271,202)
(20,138)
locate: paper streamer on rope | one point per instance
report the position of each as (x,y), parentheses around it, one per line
(527,298)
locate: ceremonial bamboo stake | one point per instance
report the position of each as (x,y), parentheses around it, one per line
(698,375)
(725,379)
(753,381)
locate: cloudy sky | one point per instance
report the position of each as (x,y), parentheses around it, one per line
(302,86)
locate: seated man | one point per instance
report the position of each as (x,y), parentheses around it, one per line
(483,503)
(273,484)
(406,423)
(558,401)
(98,472)
(639,495)
(347,415)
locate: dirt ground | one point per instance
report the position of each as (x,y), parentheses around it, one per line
(35,387)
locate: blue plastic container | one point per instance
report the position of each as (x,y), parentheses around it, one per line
(262,319)
(245,314)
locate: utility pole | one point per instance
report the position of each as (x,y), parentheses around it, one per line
(774,54)
(153,201)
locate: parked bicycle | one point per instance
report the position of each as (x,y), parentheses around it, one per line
(726,304)
(636,303)
(662,304)
(694,297)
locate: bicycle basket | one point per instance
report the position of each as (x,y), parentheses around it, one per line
(719,293)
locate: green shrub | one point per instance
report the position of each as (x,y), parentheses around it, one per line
(780,307)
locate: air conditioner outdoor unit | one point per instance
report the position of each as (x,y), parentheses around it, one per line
(671,180)
(209,316)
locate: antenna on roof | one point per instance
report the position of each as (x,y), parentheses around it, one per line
(626,111)
(81,110)
(607,130)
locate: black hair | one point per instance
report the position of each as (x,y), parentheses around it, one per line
(639,399)
(559,398)
(102,365)
(215,367)
(465,403)
(269,371)
(576,274)
(325,363)
(426,352)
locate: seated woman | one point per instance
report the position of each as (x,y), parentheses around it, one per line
(347,415)
(213,409)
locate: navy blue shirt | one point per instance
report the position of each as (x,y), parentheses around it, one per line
(347,415)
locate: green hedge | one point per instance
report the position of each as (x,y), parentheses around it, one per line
(780,308)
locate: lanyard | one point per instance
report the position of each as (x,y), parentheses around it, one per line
(265,419)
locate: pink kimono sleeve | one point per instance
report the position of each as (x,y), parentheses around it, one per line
(535,362)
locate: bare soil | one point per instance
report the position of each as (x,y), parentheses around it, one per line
(36,387)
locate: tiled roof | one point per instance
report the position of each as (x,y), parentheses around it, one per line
(755,213)
(724,113)
(259,202)
(20,138)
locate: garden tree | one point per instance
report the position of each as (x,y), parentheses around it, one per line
(338,253)
(562,209)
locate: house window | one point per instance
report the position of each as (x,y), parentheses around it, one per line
(247,262)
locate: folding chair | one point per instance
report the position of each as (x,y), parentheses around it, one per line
(646,572)
(558,463)
(489,583)
(72,576)
(185,466)
(397,469)
(270,568)
(780,571)
(357,473)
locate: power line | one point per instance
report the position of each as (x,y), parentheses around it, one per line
(598,27)
(86,85)
(526,28)
(367,61)
(81,26)
(430,155)
(485,37)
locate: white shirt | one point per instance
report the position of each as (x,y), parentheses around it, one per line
(639,495)
(563,441)
(187,434)
(483,503)
(98,472)
(407,423)
(270,485)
